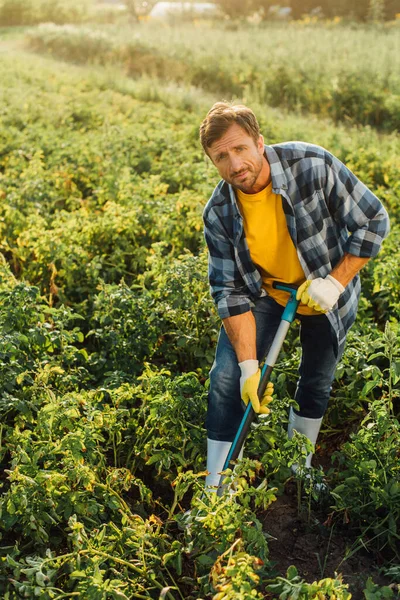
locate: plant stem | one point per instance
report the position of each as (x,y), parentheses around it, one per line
(298,496)
(326,553)
(114,450)
(174,582)
(128,512)
(127,564)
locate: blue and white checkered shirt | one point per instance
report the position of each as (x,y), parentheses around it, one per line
(328,212)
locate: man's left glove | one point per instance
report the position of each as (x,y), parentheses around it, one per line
(321,294)
(249,382)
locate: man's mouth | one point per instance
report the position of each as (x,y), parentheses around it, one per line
(241,176)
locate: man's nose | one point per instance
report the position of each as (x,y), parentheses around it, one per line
(236,164)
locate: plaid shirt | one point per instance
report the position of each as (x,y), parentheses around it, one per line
(328,212)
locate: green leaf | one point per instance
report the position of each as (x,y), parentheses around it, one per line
(340,488)
(353,480)
(370,385)
(78,574)
(292,572)
(376,355)
(396,372)
(205,560)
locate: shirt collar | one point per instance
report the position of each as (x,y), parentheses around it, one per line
(279,181)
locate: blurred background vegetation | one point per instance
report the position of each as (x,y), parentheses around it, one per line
(28,12)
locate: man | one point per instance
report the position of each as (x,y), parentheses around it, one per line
(290,212)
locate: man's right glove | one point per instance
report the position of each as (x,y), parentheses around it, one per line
(249,382)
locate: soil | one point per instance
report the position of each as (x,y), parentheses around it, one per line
(316,548)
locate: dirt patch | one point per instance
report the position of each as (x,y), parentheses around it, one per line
(315,548)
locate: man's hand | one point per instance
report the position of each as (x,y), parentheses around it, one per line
(320,294)
(249,382)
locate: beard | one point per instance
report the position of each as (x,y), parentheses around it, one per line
(252,174)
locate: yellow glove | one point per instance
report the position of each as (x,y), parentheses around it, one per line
(321,294)
(249,383)
(249,392)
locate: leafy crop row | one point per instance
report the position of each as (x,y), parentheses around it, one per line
(341,74)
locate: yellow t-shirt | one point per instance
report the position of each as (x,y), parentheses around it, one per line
(271,247)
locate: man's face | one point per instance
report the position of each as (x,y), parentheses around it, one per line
(240,160)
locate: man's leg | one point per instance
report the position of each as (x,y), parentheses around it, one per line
(225,409)
(317,370)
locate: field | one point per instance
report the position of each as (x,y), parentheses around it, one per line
(108,330)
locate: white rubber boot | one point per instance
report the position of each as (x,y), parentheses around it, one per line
(216,455)
(308,427)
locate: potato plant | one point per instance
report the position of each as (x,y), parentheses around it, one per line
(166,318)
(368,491)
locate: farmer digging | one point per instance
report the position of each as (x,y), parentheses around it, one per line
(291,213)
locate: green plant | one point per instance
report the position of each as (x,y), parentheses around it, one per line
(376,592)
(368,487)
(293,586)
(235,575)
(180,304)
(211,529)
(39,342)
(385,279)
(368,370)
(167,318)
(166,431)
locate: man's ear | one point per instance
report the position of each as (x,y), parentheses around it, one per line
(260,144)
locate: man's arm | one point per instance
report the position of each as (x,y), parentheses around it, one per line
(347,268)
(241,331)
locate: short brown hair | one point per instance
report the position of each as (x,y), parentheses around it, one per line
(221,116)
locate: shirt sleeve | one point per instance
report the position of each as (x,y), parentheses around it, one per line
(354,207)
(226,284)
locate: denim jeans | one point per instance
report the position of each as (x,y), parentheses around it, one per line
(317,369)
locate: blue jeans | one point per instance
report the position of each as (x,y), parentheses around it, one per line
(317,369)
